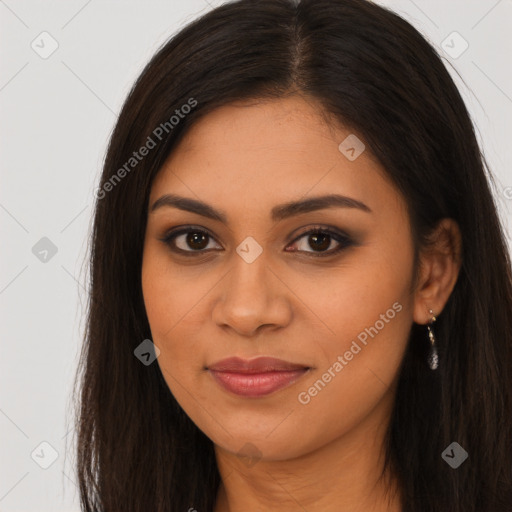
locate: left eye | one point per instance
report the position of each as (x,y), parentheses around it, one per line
(319,239)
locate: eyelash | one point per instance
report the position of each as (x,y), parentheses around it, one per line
(340,237)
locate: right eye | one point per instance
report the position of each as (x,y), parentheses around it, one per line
(188,240)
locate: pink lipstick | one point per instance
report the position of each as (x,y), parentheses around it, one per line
(256,377)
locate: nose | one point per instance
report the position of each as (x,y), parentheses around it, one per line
(251,298)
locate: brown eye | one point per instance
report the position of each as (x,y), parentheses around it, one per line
(319,240)
(188,240)
(196,240)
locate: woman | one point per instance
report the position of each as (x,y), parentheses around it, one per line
(301,294)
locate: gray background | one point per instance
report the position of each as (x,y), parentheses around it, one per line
(57,114)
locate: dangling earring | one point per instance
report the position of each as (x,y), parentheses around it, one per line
(433,357)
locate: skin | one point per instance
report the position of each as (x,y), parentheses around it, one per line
(245,159)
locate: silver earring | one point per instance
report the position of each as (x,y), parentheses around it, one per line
(433,357)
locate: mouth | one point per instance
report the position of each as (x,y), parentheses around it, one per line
(257,377)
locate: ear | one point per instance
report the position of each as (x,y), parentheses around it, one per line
(439,269)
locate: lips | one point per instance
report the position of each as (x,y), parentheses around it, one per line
(258,365)
(256,377)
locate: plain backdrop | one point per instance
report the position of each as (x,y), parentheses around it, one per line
(57,112)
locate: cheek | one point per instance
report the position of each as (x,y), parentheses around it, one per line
(373,292)
(368,311)
(153,288)
(173,303)
(167,294)
(372,325)
(161,303)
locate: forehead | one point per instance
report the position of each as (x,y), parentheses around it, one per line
(261,152)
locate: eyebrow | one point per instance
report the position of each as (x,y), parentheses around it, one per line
(279,212)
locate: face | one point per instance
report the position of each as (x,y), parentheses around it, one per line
(236,270)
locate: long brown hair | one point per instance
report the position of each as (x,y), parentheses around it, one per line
(369,69)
